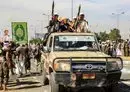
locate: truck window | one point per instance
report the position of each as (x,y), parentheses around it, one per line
(85,42)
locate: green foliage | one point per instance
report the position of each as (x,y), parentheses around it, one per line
(103,36)
(35,40)
(114,34)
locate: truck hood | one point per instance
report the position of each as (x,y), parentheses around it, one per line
(79,54)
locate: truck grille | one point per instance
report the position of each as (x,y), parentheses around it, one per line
(88,66)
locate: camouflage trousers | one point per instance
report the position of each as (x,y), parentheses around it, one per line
(4,73)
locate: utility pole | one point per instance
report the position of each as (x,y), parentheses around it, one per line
(72,4)
(118,18)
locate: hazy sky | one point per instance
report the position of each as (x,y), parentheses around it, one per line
(98,13)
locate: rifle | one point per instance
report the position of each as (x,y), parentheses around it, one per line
(53,6)
(52,14)
(77,19)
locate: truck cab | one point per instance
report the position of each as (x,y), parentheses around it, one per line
(75,61)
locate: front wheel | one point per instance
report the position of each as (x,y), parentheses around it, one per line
(45,80)
(112,88)
(54,86)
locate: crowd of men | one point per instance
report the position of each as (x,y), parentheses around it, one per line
(116,48)
(15,59)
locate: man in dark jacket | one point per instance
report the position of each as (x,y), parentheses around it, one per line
(38,55)
(53,24)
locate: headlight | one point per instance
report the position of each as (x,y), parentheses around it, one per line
(115,64)
(62,65)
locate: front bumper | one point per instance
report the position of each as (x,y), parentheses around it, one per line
(90,65)
(102,79)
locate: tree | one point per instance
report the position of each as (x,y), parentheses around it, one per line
(103,36)
(37,40)
(114,35)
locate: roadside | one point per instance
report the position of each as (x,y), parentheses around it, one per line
(126,58)
(27,83)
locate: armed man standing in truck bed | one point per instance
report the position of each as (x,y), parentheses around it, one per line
(53,24)
(82,24)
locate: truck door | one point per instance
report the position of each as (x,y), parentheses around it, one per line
(47,53)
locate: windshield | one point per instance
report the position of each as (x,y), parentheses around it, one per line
(70,43)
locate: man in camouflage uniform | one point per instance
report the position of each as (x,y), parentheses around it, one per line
(4,68)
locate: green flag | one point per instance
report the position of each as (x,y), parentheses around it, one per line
(20,32)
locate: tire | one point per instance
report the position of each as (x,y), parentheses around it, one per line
(112,88)
(55,87)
